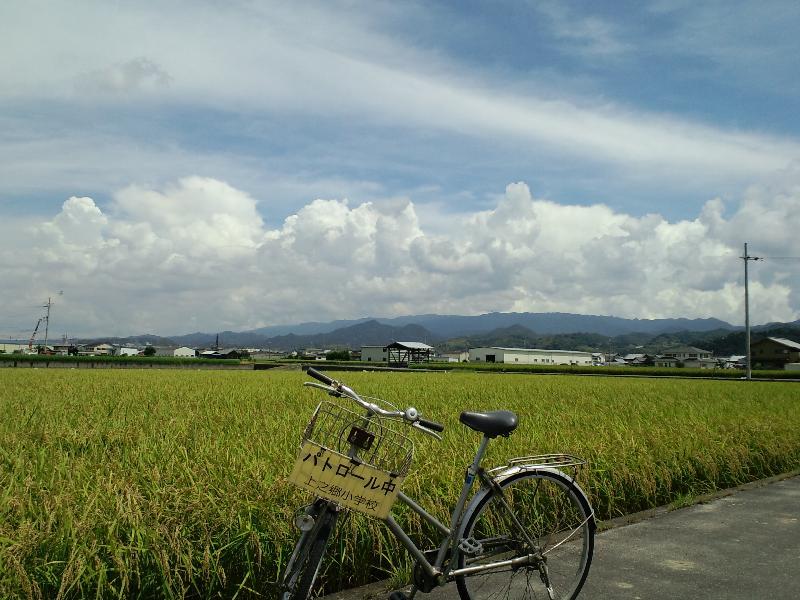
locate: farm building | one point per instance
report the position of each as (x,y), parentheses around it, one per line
(102,349)
(124,351)
(266,353)
(63,348)
(638,360)
(774,353)
(9,348)
(530,356)
(397,353)
(374,353)
(736,361)
(184,352)
(687,356)
(666,361)
(687,353)
(404,353)
(453,356)
(222,353)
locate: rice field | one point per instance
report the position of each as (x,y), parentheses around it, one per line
(171,484)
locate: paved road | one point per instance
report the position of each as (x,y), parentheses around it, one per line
(743,546)
(746,545)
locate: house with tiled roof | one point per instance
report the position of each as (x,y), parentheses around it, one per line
(774,353)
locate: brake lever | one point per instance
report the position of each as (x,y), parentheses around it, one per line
(324,388)
(426,430)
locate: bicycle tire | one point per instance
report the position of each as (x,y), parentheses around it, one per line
(557,514)
(303,567)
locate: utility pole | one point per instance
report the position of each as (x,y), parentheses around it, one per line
(47,322)
(747,258)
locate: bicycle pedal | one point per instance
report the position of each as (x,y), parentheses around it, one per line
(470,546)
(398,595)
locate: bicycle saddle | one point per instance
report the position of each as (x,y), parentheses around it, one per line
(492,424)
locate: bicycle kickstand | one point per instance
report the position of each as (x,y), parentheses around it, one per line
(401,595)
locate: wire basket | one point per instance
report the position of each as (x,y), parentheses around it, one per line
(363,440)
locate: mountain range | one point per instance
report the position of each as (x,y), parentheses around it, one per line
(448,326)
(455,332)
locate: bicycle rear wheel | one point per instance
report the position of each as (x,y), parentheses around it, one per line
(557,536)
(304,564)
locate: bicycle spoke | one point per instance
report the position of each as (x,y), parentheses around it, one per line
(557,536)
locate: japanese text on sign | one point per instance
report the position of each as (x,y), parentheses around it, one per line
(333,476)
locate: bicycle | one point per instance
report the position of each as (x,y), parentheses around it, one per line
(527,532)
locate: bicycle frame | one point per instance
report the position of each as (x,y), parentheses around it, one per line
(450,539)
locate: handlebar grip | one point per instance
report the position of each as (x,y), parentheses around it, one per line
(431,425)
(320,376)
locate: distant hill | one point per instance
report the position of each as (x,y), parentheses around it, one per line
(449,326)
(517,336)
(791,325)
(133,340)
(353,336)
(308,328)
(721,342)
(367,333)
(452,326)
(454,332)
(227,339)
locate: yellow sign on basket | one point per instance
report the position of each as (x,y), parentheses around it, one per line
(335,477)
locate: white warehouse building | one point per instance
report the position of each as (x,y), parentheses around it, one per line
(184,352)
(374,353)
(530,356)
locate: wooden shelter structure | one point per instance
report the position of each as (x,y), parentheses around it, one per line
(401,354)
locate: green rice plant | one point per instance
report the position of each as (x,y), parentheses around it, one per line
(172,484)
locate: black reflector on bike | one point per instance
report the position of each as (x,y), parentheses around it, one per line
(361,438)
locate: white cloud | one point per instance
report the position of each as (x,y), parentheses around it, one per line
(137,74)
(327,62)
(197,255)
(589,35)
(198,215)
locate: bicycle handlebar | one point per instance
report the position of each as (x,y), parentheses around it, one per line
(410,414)
(430,424)
(320,376)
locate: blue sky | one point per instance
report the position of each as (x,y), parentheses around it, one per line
(664,123)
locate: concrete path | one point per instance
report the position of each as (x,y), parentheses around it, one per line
(744,546)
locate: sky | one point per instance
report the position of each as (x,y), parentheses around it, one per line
(169,167)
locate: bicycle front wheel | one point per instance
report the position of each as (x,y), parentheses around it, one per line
(542,519)
(304,564)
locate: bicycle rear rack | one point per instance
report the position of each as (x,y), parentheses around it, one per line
(537,461)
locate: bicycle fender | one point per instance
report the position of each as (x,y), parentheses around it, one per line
(504,474)
(500,476)
(476,499)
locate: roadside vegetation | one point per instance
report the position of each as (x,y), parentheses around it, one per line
(341,360)
(126,360)
(171,484)
(606,371)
